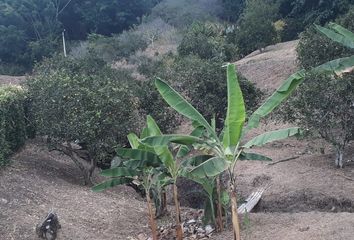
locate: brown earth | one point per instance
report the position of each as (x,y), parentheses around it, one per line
(306,198)
(5,80)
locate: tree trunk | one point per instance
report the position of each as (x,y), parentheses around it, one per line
(339,158)
(235,220)
(152,221)
(220,226)
(179,230)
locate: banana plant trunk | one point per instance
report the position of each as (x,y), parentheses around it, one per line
(179,230)
(235,220)
(219,207)
(152,220)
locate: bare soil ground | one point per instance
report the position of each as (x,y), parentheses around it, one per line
(306,198)
(6,80)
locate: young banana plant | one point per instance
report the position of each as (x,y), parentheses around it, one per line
(143,167)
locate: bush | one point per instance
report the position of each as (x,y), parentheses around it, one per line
(207,40)
(203,82)
(12,121)
(117,47)
(86,102)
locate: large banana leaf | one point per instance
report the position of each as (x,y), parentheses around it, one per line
(119,172)
(111,183)
(166,157)
(338,66)
(185,149)
(253,156)
(177,102)
(146,157)
(338,34)
(236,111)
(210,168)
(168,138)
(276,98)
(272,136)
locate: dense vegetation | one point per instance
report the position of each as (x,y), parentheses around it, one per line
(12,121)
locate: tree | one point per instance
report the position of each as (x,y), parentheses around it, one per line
(232,9)
(324,103)
(255,29)
(84,107)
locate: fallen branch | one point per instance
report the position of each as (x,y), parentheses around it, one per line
(251,202)
(346,177)
(284,160)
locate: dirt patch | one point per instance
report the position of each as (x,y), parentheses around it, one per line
(11,80)
(268,69)
(38,181)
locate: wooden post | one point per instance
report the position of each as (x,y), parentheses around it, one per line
(64,45)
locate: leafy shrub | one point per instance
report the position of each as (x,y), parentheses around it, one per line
(116,47)
(12,121)
(203,82)
(84,101)
(207,40)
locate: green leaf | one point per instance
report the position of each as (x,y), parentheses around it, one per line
(146,157)
(341,30)
(253,156)
(210,168)
(276,98)
(185,149)
(177,102)
(111,183)
(168,138)
(166,157)
(119,172)
(195,161)
(152,126)
(236,112)
(346,40)
(272,136)
(337,66)
(133,140)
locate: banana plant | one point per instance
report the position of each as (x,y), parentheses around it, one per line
(143,168)
(228,148)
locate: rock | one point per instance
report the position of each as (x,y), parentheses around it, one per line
(4,201)
(208,229)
